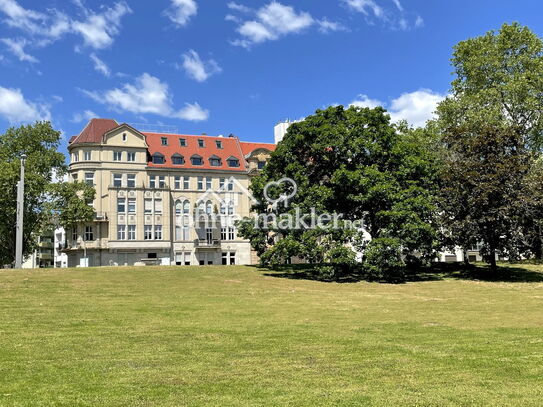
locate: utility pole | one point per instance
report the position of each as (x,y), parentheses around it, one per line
(20,212)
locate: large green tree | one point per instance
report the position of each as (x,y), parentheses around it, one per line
(45,198)
(492,125)
(352,162)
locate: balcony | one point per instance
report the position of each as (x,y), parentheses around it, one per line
(100,217)
(46,245)
(207,244)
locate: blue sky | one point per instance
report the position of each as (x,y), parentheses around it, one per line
(223,67)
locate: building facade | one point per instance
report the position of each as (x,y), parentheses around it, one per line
(168,199)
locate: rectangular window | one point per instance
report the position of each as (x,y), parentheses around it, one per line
(178,233)
(131,232)
(209,235)
(221,183)
(223,234)
(131,157)
(177,183)
(218,143)
(162,181)
(231,233)
(74,234)
(224,259)
(131,180)
(208,183)
(117,155)
(121,232)
(148,206)
(131,205)
(230,185)
(201,143)
(117,180)
(87,155)
(200,183)
(164,141)
(182,142)
(148,232)
(89,234)
(152,181)
(74,177)
(121,205)
(89,178)
(158,206)
(186,182)
(232,258)
(185,233)
(75,157)
(158,232)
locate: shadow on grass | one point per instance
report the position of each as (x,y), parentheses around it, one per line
(435,272)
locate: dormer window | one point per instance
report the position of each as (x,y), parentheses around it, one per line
(261,165)
(183,142)
(215,161)
(178,159)
(164,141)
(158,158)
(233,162)
(218,143)
(201,143)
(196,160)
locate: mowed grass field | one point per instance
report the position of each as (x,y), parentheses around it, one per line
(240,336)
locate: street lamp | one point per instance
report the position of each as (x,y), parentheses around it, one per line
(20,212)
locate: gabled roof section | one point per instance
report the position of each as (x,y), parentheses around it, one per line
(94,130)
(248,147)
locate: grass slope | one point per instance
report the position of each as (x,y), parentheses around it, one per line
(238,336)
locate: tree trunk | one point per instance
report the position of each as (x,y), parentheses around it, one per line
(538,246)
(465,256)
(493,265)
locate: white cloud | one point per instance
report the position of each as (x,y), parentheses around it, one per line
(100,65)
(365,101)
(85,115)
(398,4)
(16,109)
(52,25)
(147,95)
(415,107)
(326,26)
(98,29)
(273,21)
(197,69)
(238,7)
(396,17)
(17,46)
(181,11)
(365,6)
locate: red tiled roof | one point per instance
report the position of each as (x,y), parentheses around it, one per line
(248,147)
(230,148)
(94,130)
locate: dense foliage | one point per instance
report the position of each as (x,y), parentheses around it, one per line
(45,197)
(352,162)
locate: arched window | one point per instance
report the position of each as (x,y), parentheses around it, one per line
(196,160)
(209,208)
(178,159)
(201,207)
(186,207)
(178,208)
(158,158)
(233,162)
(231,208)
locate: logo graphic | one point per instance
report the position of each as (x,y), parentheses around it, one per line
(284,183)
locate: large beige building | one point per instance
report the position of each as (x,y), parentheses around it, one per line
(162,198)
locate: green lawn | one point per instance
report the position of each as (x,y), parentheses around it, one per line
(239,336)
